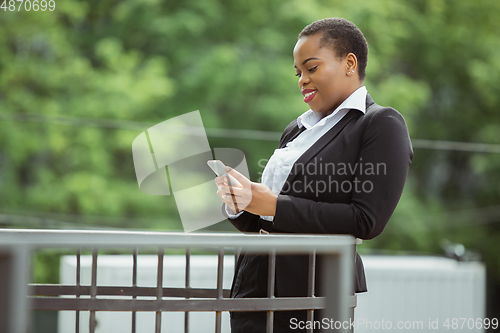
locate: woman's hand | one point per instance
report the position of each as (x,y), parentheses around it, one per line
(252,197)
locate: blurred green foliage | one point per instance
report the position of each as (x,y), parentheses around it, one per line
(69,80)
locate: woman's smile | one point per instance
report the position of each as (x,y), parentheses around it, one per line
(309,94)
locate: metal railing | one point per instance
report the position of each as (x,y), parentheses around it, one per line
(17,297)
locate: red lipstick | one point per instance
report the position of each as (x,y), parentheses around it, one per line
(309,94)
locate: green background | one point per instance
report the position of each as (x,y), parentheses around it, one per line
(78,84)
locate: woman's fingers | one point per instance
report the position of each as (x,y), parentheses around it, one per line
(232,206)
(234,190)
(223,190)
(235,197)
(255,198)
(244,181)
(238,196)
(221,180)
(229,200)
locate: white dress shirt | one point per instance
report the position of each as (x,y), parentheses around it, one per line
(281,162)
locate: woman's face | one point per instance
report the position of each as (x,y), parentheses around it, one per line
(324,78)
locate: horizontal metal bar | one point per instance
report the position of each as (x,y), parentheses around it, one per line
(60,290)
(183,305)
(229,304)
(131,239)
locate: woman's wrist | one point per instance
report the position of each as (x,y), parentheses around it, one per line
(271,206)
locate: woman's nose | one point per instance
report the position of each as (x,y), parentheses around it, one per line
(304,79)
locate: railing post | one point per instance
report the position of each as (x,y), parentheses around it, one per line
(14,276)
(93,290)
(134,284)
(220,275)
(337,287)
(188,285)
(271,278)
(311,286)
(78,275)
(159,288)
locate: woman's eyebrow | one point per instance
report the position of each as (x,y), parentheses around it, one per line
(308,59)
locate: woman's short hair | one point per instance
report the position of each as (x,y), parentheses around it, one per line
(343,37)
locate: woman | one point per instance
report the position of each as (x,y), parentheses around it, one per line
(340,169)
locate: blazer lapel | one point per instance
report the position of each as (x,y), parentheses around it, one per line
(320,144)
(293,134)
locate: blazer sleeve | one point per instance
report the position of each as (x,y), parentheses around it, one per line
(385,141)
(246,222)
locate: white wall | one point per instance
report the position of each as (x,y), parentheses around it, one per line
(421,289)
(403,290)
(117,271)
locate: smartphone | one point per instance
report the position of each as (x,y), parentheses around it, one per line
(218,167)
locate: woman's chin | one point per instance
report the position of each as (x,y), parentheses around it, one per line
(315,108)
(320,112)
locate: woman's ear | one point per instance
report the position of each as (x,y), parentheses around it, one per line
(351,64)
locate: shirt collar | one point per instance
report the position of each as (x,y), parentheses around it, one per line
(357,100)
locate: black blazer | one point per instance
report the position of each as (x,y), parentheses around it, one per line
(348,182)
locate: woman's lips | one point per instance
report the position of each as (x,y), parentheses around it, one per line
(309,96)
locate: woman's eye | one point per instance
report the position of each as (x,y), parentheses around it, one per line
(312,69)
(298,74)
